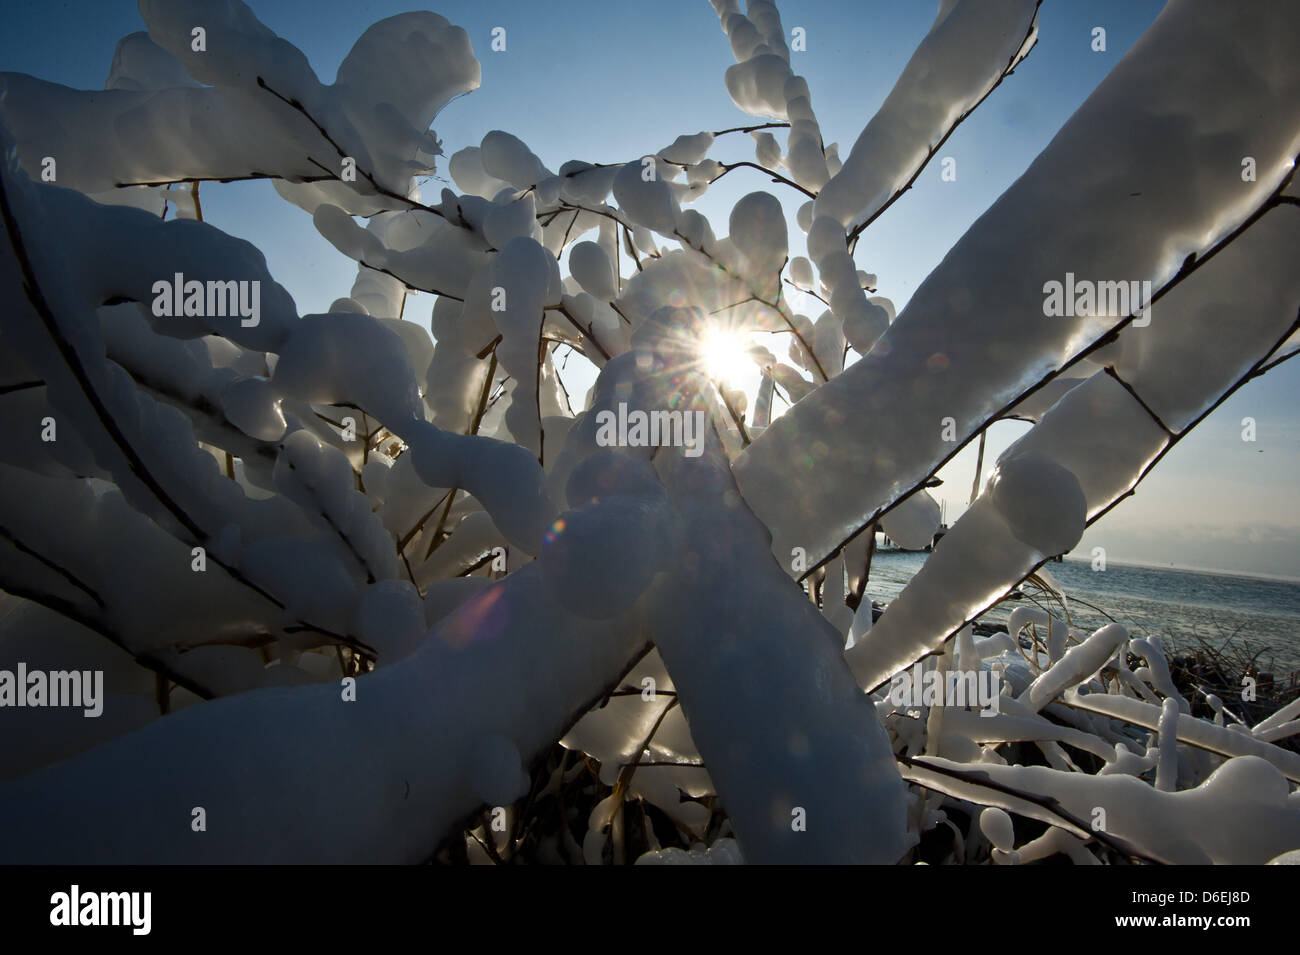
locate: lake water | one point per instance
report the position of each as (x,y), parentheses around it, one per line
(1177,605)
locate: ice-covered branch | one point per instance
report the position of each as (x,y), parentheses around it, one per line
(762,83)
(459,747)
(1140,132)
(1100,440)
(971,47)
(1239,815)
(396,78)
(753,663)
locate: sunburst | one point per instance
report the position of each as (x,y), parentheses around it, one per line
(724,356)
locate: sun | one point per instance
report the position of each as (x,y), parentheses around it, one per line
(725,357)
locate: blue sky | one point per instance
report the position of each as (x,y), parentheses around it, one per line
(578,80)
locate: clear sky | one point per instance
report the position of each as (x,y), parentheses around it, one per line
(578,80)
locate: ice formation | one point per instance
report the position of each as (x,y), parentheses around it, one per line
(408,565)
(970,356)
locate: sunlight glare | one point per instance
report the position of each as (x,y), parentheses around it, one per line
(725,356)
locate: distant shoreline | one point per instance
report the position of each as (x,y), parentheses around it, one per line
(1209,571)
(1144,565)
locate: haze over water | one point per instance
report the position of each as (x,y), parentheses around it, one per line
(1175,604)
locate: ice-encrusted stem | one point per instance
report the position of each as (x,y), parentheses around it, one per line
(1108,436)
(378,112)
(762,83)
(801,761)
(1239,816)
(413,743)
(1199,733)
(1157,148)
(971,47)
(1167,734)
